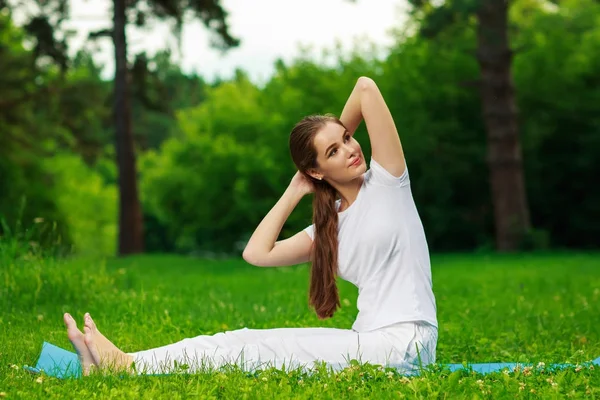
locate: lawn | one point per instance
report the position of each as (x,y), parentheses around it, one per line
(534,308)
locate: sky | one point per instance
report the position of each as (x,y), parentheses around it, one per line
(268,29)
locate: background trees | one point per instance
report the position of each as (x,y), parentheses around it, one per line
(213,156)
(214,16)
(494,56)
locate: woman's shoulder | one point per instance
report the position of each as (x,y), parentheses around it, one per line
(379,176)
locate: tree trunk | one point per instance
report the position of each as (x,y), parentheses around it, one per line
(130,212)
(511,213)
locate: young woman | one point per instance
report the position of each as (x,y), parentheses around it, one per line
(366,229)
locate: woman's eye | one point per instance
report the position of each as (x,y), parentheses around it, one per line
(347,138)
(332,152)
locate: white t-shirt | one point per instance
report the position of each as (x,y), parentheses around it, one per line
(383,251)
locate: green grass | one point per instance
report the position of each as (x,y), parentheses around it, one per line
(491,308)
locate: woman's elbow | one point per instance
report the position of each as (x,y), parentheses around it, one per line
(365,83)
(251,258)
(247,256)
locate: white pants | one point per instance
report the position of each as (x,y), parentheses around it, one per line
(405,346)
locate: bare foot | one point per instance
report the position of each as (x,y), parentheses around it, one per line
(77,340)
(104,353)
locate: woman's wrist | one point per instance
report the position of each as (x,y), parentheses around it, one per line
(294,194)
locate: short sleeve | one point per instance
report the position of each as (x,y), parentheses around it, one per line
(310,230)
(383,177)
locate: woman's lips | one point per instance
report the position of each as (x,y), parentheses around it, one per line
(355,162)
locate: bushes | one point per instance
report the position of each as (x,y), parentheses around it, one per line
(225,162)
(88,203)
(206,187)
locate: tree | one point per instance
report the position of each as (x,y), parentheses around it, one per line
(214,17)
(494,56)
(159,88)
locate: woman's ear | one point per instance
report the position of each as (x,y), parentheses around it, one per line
(315,174)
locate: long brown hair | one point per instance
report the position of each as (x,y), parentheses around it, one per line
(324,295)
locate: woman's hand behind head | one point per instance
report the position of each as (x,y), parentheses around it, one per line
(301,184)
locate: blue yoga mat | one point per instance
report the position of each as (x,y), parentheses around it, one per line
(60,363)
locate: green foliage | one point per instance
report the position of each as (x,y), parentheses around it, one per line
(426,84)
(84,111)
(210,13)
(229,162)
(434,16)
(41,237)
(214,157)
(528,308)
(556,74)
(26,135)
(206,182)
(88,203)
(159,88)
(236,140)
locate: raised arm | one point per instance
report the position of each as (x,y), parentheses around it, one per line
(366,102)
(262,249)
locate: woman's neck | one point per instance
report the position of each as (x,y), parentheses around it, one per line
(348,192)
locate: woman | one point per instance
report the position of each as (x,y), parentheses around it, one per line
(366,230)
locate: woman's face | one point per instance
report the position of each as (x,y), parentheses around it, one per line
(339,156)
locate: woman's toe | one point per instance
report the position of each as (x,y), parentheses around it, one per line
(90,322)
(88,339)
(68,319)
